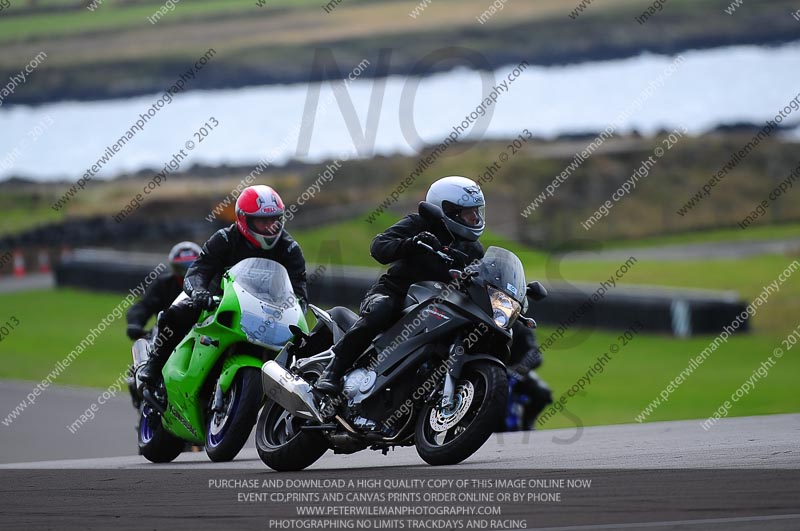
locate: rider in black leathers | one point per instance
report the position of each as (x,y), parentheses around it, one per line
(163,291)
(258,232)
(462,202)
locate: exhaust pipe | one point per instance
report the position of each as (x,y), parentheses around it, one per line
(152,402)
(140,352)
(291,392)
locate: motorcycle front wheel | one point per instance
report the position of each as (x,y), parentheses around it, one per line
(280,442)
(228,430)
(447,437)
(156,444)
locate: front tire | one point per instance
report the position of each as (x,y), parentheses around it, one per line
(156,444)
(280,442)
(227,431)
(449,437)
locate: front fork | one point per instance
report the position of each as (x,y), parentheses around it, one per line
(455,360)
(455,364)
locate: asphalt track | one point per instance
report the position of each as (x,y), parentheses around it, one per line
(744,473)
(28,282)
(40,438)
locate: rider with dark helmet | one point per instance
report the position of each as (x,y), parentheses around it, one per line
(258,232)
(158,297)
(163,291)
(463,204)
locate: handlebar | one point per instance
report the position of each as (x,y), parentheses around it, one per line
(444,256)
(470,273)
(216,298)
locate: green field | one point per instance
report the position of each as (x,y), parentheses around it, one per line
(110,16)
(755,232)
(43,338)
(642,369)
(747,277)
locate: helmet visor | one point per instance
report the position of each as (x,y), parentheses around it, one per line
(181,264)
(268,226)
(469,216)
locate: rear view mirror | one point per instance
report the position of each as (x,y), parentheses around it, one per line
(430,212)
(536,291)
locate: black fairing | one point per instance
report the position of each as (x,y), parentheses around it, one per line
(425,333)
(423,291)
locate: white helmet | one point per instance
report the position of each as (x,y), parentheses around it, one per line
(454,194)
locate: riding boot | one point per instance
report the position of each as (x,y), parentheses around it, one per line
(150,373)
(330,382)
(173,325)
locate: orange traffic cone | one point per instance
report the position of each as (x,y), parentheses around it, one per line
(44,261)
(19,264)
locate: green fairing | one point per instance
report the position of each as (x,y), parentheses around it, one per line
(189,367)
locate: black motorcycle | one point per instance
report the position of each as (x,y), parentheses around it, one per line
(436,379)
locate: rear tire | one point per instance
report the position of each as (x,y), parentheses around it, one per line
(156,444)
(481,393)
(227,433)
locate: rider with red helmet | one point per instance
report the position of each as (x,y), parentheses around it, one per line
(258,232)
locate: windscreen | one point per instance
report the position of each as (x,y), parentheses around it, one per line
(264,279)
(503,270)
(271,306)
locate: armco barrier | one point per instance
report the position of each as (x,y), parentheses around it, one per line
(661,310)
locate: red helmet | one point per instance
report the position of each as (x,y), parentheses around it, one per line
(260,215)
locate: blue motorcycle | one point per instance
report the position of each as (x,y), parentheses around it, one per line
(528,395)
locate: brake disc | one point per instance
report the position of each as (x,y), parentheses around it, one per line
(443,420)
(219,418)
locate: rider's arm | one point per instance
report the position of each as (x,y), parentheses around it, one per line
(395,243)
(210,262)
(295,264)
(150,304)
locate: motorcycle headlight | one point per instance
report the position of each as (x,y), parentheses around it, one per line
(504,309)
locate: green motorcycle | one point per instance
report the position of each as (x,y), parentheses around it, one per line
(211,390)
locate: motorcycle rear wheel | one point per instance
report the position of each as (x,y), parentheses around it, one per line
(447,438)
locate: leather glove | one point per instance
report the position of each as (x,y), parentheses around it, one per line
(427,238)
(202,299)
(135,331)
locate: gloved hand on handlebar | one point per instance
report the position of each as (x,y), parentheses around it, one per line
(203,299)
(135,331)
(428,239)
